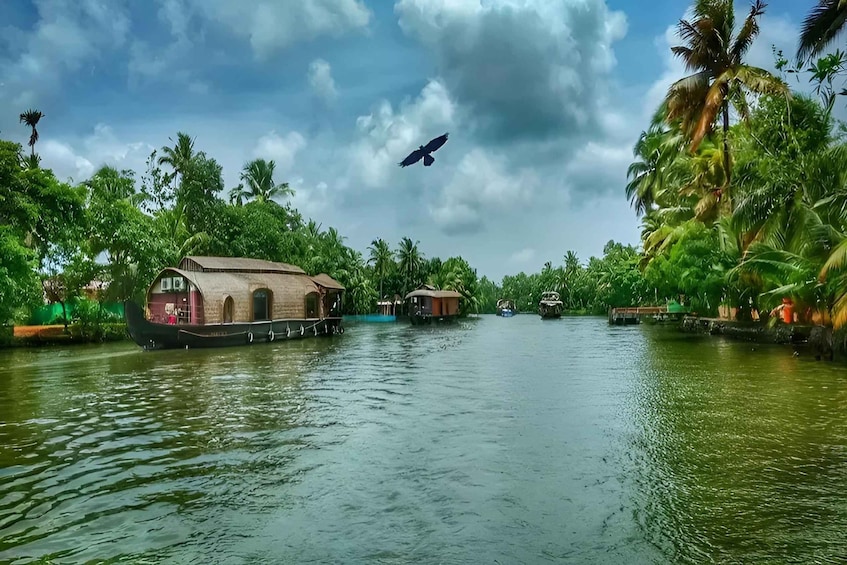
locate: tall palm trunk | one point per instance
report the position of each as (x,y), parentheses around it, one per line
(727,162)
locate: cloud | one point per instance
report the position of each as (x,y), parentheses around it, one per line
(65,163)
(310,200)
(76,159)
(281,149)
(64,37)
(321,81)
(533,69)
(481,187)
(270,25)
(525,255)
(600,167)
(385,137)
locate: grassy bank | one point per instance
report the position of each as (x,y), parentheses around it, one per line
(36,336)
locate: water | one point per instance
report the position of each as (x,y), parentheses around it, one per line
(495,441)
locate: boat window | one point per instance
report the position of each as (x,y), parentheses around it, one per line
(229,306)
(312,305)
(262,300)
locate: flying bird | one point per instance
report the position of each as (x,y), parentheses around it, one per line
(424,152)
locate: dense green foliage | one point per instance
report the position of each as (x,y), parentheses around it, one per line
(776,227)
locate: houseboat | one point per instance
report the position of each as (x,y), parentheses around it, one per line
(428,305)
(505,308)
(550,306)
(224,301)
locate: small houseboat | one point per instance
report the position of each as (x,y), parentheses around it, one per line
(550,306)
(223,301)
(428,305)
(505,308)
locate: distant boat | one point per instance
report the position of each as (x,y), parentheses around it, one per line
(428,305)
(505,308)
(550,306)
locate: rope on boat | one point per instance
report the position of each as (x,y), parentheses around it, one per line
(211,336)
(271,335)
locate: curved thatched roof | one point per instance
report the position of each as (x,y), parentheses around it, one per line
(236,264)
(217,284)
(434,293)
(327,281)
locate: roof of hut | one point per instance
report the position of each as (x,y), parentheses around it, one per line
(237,264)
(434,293)
(217,283)
(327,281)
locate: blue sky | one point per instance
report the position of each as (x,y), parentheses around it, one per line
(543,100)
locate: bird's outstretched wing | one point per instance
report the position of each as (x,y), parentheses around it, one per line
(413,158)
(435,143)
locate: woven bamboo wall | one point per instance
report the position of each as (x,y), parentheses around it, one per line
(287,291)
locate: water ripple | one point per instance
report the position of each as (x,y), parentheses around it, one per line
(497,440)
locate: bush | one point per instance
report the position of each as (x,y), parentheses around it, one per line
(7,335)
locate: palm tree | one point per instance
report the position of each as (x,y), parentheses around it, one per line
(180,155)
(821,26)
(30,118)
(411,261)
(656,151)
(238,195)
(258,175)
(313,229)
(381,258)
(31,162)
(720,78)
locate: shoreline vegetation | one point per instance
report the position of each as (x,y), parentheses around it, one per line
(739,181)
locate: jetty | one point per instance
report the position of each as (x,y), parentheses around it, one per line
(630,315)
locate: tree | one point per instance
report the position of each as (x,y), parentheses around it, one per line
(30,118)
(648,174)
(258,178)
(821,26)
(179,156)
(201,182)
(382,259)
(720,77)
(19,288)
(411,262)
(238,195)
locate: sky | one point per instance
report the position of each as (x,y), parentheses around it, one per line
(543,101)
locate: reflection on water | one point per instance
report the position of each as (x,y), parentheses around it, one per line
(497,440)
(740,453)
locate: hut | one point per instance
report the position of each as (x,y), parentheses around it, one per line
(227,290)
(428,304)
(388,306)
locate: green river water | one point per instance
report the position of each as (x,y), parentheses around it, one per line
(498,440)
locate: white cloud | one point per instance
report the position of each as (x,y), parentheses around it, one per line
(281,149)
(79,158)
(310,200)
(386,136)
(600,167)
(481,186)
(65,163)
(271,25)
(321,81)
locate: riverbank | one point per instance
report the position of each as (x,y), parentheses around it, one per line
(37,336)
(818,341)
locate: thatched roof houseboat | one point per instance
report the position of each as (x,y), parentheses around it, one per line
(428,304)
(211,301)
